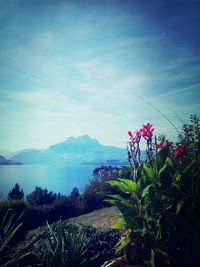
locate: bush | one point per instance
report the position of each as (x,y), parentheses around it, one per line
(99,247)
(74,196)
(17,206)
(160,204)
(92,199)
(16,193)
(41,197)
(62,207)
(190,138)
(65,207)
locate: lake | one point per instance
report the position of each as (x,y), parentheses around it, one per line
(56,178)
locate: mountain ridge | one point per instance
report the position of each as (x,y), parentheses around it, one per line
(4,161)
(82,149)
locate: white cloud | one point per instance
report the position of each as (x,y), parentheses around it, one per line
(179,90)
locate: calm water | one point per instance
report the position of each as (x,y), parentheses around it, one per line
(56,178)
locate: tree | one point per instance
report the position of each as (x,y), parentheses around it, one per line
(190,138)
(41,197)
(16,193)
(74,195)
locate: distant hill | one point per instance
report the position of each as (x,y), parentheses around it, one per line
(4,161)
(9,154)
(79,150)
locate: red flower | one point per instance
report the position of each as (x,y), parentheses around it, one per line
(130,134)
(135,137)
(179,152)
(164,143)
(147,131)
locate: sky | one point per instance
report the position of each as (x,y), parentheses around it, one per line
(75,67)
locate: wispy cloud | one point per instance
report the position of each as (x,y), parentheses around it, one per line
(70,68)
(180,90)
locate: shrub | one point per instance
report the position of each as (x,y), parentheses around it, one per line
(96,246)
(17,206)
(16,193)
(62,207)
(65,207)
(91,198)
(190,138)
(37,215)
(74,196)
(160,204)
(41,197)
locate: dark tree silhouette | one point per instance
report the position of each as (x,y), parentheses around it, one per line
(16,193)
(41,197)
(74,195)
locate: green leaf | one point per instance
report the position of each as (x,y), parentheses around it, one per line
(179,206)
(111,201)
(131,185)
(127,186)
(170,163)
(178,176)
(148,172)
(125,240)
(117,197)
(146,190)
(119,224)
(163,169)
(151,261)
(118,184)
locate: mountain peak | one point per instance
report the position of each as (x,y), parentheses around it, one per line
(80,149)
(82,139)
(83,142)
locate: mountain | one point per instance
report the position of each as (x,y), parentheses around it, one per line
(5,153)
(79,150)
(12,154)
(4,161)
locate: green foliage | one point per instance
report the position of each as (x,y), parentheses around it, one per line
(190,137)
(68,244)
(10,224)
(160,211)
(8,228)
(92,199)
(16,193)
(67,248)
(18,206)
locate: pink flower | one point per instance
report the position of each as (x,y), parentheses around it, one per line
(135,136)
(164,143)
(179,152)
(147,131)
(130,134)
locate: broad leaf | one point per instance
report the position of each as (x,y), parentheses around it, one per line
(125,240)
(148,172)
(119,224)
(147,190)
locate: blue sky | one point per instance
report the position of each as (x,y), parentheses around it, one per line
(70,68)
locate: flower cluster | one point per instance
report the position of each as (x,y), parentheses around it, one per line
(179,152)
(164,143)
(133,146)
(146,132)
